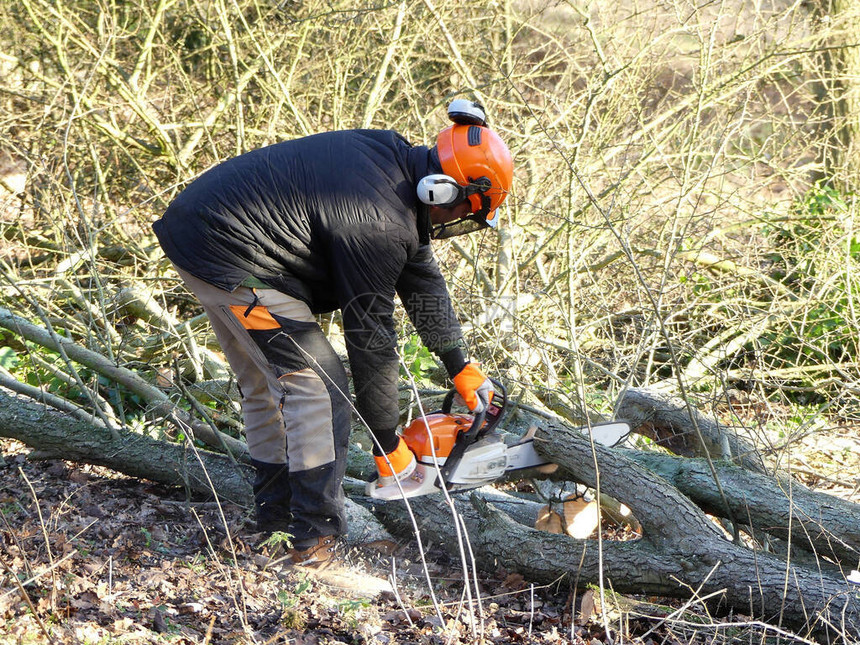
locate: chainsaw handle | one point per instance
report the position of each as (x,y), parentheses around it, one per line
(465,439)
(448,401)
(500,395)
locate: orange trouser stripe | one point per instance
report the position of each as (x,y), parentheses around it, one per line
(255,318)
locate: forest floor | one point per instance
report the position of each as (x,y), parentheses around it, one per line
(102,558)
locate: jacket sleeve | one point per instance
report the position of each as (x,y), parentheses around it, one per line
(366,264)
(424,294)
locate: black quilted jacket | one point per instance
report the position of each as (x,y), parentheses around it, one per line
(331,219)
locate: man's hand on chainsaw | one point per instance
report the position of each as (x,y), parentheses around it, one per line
(474,388)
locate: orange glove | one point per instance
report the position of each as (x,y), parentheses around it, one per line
(474,387)
(399,460)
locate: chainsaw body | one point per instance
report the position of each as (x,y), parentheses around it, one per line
(464,452)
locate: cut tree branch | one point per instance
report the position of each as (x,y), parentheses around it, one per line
(61,436)
(160,406)
(666,420)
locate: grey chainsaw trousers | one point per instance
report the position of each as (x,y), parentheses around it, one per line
(295,405)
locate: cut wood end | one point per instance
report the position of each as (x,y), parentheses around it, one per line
(580,518)
(549,521)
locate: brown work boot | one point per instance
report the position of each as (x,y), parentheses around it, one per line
(327,562)
(318,555)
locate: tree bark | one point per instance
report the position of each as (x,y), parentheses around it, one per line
(682,551)
(780,507)
(672,423)
(60,436)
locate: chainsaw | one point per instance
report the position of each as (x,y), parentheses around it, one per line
(462,451)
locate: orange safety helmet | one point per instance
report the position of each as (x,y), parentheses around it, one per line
(475,157)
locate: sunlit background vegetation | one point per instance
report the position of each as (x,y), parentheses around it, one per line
(683,215)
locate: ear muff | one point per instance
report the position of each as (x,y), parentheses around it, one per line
(466,112)
(440,190)
(444,191)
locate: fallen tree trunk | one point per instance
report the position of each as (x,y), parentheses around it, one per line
(60,436)
(208,475)
(776,506)
(780,507)
(681,553)
(677,533)
(676,425)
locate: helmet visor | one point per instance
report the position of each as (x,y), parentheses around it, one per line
(462,226)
